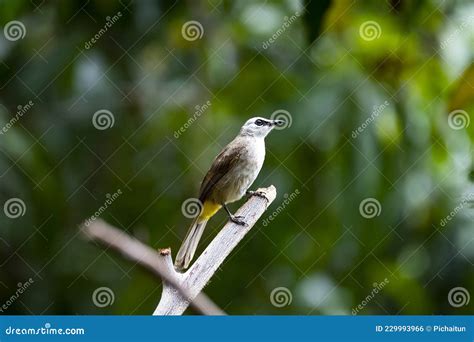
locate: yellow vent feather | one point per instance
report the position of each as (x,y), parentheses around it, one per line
(208,210)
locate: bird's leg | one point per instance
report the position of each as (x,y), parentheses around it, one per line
(236,219)
(261,194)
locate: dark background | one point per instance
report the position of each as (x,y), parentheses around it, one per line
(322,69)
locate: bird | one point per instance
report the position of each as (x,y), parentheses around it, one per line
(229,178)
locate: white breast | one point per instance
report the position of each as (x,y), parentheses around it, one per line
(247,169)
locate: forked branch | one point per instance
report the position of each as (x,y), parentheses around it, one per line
(182,289)
(155,262)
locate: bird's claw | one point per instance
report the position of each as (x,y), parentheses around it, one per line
(258,194)
(238,220)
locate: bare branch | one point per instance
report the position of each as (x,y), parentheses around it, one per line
(183,289)
(194,280)
(158,263)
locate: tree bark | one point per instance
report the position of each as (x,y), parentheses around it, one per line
(199,274)
(148,258)
(183,289)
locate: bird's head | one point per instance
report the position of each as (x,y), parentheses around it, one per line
(259,127)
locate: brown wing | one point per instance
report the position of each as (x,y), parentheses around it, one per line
(223,163)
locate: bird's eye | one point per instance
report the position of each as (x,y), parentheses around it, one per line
(259,122)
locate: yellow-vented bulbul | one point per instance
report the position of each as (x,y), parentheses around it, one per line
(228,180)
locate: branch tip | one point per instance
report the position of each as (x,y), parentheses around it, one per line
(165,251)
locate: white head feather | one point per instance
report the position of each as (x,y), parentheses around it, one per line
(258,127)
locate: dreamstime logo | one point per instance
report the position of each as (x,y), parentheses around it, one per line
(287,21)
(14,208)
(103,296)
(370,30)
(466,23)
(43,330)
(377,287)
(288,199)
(191,207)
(103,119)
(466,200)
(377,110)
(370,207)
(22,110)
(284,115)
(199,110)
(192,30)
(108,202)
(14,30)
(280,297)
(458,119)
(458,296)
(22,287)
(110,21)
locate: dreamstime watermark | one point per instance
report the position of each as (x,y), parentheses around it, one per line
(377,287)
(288,199)
(283,115)
(14,30)
(370,207)
(14,208)
(192,30)
(108,202)
(199,110)
(47,329)
(458,119)
(21,110)
(459,296)
(466,200)
(464,24)
(110,21)
(280,297)
(22,287)
(287,21)
(370,30)
(103,119)
(377,110)
(191,207)
(103,296)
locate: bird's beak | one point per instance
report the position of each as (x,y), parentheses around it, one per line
(278,122)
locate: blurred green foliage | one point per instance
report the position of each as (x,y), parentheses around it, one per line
(322,68)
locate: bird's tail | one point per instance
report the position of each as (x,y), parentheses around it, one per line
(190,243)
